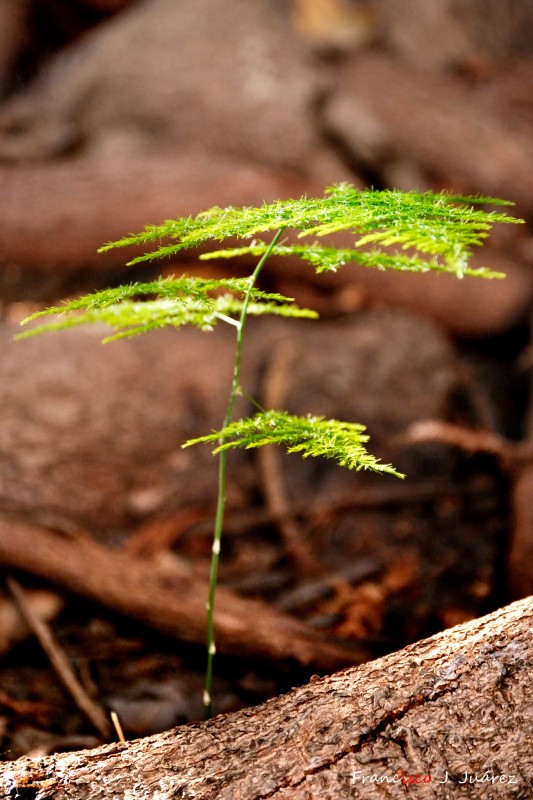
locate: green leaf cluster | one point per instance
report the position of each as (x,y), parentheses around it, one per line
(139,307)
(436,230)
(439,228)
(311,436)
(329,259)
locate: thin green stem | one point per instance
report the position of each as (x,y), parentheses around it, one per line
(222,473)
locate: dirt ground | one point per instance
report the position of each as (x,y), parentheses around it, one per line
(119,113)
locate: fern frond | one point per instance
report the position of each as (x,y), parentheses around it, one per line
(170,287)
(330,259)
(436,226)
(182,301)
(311,436)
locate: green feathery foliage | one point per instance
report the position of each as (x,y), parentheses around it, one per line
(180,301)
(311,436)
(440,228)
(329,259)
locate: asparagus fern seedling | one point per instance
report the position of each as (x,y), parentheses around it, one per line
(411,232)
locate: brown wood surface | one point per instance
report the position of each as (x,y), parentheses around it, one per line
(85,202)
(456,707)
(92,434)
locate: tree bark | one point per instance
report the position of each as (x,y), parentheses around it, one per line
(452,714)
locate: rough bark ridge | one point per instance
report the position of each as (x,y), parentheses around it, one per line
(454,707)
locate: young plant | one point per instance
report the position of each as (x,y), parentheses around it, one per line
(392,230)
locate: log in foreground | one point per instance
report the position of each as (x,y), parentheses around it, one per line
(451,716)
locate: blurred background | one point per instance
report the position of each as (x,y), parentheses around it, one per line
(119,113)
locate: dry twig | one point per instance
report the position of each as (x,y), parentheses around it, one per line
(59,662)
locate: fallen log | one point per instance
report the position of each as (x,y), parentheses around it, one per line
(451,714)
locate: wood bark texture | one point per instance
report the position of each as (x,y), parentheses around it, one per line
(99,445)
(107,197)
(455,707)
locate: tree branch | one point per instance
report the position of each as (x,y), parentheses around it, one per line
(455,707)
